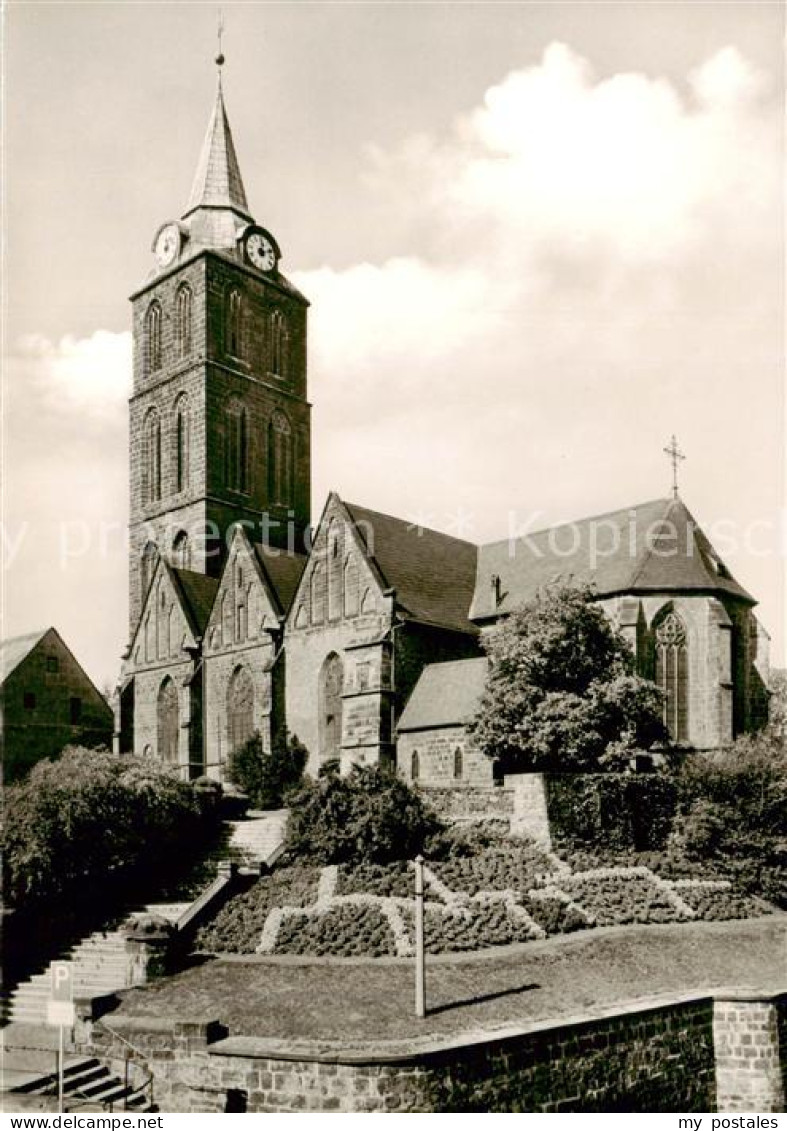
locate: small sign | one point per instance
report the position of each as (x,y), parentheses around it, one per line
(60,1007)
(61,1014)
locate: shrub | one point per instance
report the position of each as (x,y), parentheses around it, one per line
(89,813)
(612,811)
(369,816)
(266,778)
(734,813)
(562,692)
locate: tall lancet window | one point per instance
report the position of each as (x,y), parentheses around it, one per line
(151,461)
(278,344)
(236,430)
(280,460)
(234,328)
(181,443)
(153,337)
(672,673)
(183,320)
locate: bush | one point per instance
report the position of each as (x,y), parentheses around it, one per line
(89,813)
(734,813)
(369,816)
(266,778)
(612,811)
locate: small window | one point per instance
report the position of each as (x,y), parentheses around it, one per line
(29,700)
(415,766)
(458,763)
(52,664)
(75,710)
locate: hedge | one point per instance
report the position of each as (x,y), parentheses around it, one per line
(613,811)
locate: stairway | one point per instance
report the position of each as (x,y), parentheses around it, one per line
(256,837)
(88,1085)
(99,965)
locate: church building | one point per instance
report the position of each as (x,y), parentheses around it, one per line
(244,620)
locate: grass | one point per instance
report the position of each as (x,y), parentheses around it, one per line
(354,1002)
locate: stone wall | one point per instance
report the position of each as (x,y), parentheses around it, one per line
(447,762)
(670,1055)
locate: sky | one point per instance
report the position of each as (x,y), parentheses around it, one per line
(538,240)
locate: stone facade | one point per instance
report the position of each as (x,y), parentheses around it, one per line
(47,701)
(681,1054)
(441,756)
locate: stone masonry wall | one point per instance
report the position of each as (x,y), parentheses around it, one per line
(751,1057)
(657,1058)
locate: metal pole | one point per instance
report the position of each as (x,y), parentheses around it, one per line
(60,1054)
(420,965)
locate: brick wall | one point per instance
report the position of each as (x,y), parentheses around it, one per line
(656,1058)
(751,1052)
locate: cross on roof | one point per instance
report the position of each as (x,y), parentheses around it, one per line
(676,455)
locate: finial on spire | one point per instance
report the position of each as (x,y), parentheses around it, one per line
(219,33)
(676,455)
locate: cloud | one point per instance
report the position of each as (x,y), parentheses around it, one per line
(86,376)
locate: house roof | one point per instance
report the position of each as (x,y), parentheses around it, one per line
(653,547)
(283,570)
(18,648)
(433,574)
(198,593)
(445,695)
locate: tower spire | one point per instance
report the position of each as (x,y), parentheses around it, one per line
(217,182)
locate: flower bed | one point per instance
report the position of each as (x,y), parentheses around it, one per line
(494,896)
(346,930)
(384,880)
(237,927)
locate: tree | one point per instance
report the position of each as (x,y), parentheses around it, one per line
(368,816)
(267,777)
(562,693)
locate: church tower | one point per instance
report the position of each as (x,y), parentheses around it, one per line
(219,420)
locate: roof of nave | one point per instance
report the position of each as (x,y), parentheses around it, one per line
(653,547)
(433,574)
(283,570)
(18,648)
(445,695)
(198,592)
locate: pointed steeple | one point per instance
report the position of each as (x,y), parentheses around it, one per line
(217,182)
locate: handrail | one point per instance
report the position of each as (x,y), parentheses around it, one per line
(148,1081)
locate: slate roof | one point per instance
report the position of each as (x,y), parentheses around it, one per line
(217,181)
(198,592)
(283,571)
(634,553)
(445,695)
(433,574)
(18,648)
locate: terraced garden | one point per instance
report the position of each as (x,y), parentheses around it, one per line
(507,892)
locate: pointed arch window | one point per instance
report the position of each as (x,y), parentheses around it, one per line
(167,721)
(151,457)
(236,430)
(183,320)
(181,444)
(279,339)
(181,550)
(234,324)
(281,471)
(318,594)
(672,673)
(415,765)
(240,708)
(351,588)
(153,337)
(330,704)
(148,565)
(458,764)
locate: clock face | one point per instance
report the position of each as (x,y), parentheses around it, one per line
(167,244)
(261,252)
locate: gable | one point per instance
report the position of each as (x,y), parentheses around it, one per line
(245,606)
(16,649)
(167,623)
(339,581)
